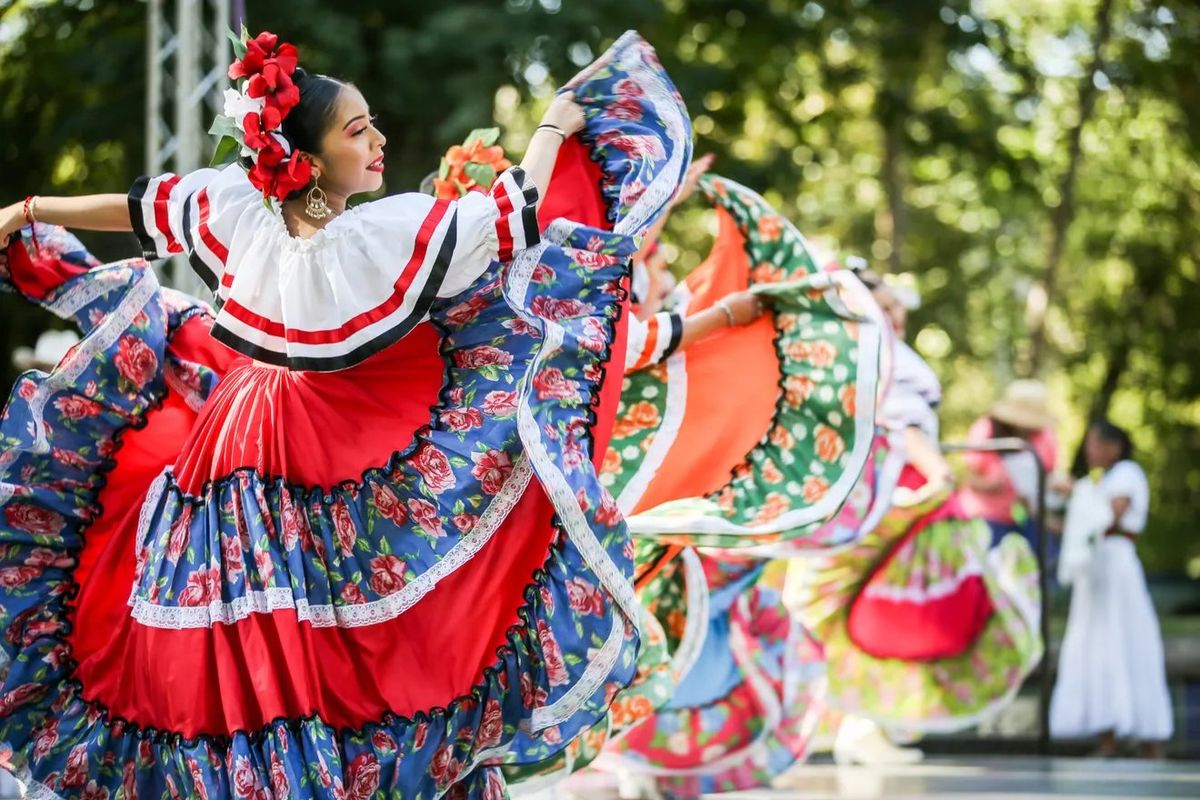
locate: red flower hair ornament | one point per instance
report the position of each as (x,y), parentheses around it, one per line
(254,114)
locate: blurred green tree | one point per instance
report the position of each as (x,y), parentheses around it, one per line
(1033,164)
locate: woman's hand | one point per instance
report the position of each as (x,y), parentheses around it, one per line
(564,113)
(745,307)
(1060,482)
(692,179)
(12,219)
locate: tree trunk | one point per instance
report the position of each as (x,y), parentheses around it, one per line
(893,186)
(1064,213)
(1118,360)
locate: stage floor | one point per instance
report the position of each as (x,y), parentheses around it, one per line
(991,779)
(957,779)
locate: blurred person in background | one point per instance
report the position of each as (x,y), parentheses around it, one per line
(1112,679)
(1002,488)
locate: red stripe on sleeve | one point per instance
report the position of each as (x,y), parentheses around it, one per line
(649,346)
(162,220)
(206,235)
(503,200)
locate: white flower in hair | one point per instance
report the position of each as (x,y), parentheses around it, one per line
(238,105)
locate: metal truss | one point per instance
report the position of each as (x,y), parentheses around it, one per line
(187,56)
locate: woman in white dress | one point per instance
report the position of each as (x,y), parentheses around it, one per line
(1111,673)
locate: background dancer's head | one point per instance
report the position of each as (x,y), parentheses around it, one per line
(888,299)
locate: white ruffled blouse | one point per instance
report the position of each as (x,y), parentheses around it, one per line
(358,285)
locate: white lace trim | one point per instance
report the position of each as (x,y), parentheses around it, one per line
(919,594)
(67,373)
(145,514)
(599,667)
(334,615)
(31,789)
(668,108)
(553,480)
(695,630)
(190,396)
(101,283)
(668,431)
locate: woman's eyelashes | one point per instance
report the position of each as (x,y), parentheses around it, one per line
(363,129)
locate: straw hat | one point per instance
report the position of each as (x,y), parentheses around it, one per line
(1024,404)
(50,348)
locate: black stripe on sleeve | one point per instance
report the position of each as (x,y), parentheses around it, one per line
(676,323)
(201,267)
(138,220)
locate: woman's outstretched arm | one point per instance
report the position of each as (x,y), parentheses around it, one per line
(92,212)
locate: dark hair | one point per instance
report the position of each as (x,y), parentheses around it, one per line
(306,125)
(1115,434)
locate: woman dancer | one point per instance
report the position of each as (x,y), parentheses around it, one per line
(924,628)
(789,445)
(281,611)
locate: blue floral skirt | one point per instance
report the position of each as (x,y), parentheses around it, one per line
(223,579)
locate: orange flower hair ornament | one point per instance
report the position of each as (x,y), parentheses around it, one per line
(471,166)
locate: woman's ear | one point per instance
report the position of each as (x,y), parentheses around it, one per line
(318,166)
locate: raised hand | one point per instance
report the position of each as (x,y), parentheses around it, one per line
(12,219)
(744,307)
(692,179)
(565,113)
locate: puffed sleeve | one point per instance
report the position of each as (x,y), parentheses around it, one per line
(491,227)
(652,341)
(194,214)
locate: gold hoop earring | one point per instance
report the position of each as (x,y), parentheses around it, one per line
(316,203)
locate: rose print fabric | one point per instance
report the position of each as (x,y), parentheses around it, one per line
(673,590)
(745,711)
(699,463)
(389,578)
